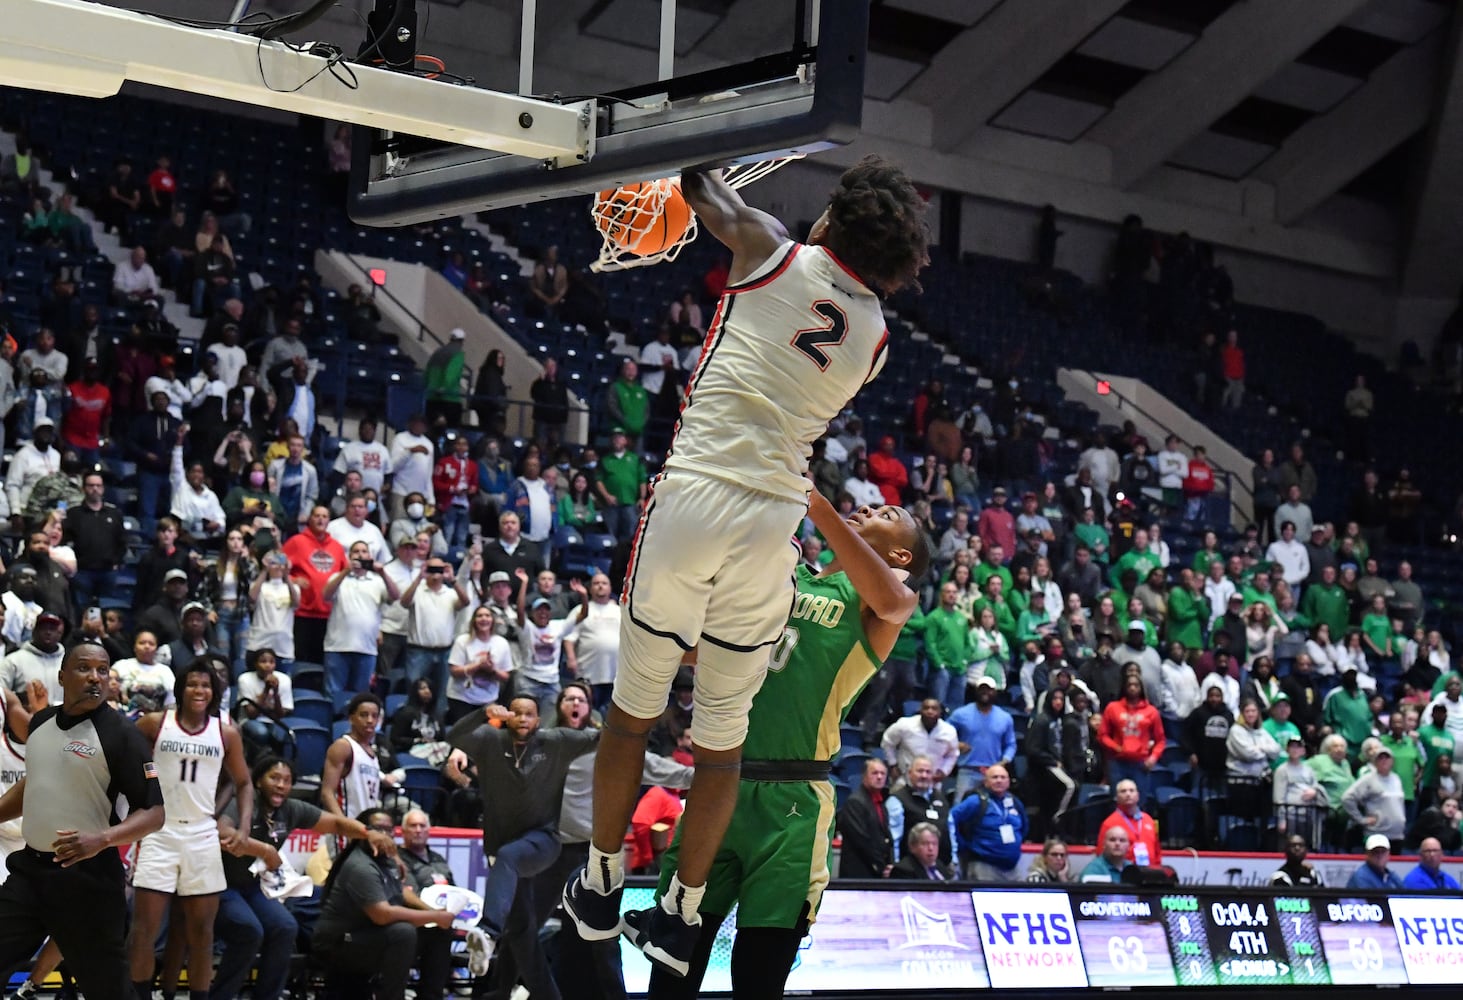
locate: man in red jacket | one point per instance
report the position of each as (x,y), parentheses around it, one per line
(1142,829)
(1132,736)
(455,481)
(314,558)
(888,473)
(1198,484)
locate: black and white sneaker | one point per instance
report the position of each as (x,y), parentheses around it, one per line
(667,939)
(596,915)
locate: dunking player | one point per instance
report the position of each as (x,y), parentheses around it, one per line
(192,746)
(774,860)
(798,331)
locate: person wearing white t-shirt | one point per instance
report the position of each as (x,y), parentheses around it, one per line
(366,455)
(479,664)
(432,601)
(228,356)
(596,641)
(657,358)
(411,551)
(266,695)
(544,639)
(354,527)
(413,457)
(142,677)
(359,592)
(273,598)
(1173,466)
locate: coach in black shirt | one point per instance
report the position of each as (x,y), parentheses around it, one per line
(67,881)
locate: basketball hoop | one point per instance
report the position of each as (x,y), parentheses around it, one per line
(627,217)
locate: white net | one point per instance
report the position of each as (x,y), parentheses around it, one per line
(629,219)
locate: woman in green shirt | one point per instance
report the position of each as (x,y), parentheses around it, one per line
(992,653)
(576,507)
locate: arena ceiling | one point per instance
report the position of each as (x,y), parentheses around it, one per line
(1252,117)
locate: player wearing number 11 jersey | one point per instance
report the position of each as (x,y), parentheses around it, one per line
(192,746)
(797,333)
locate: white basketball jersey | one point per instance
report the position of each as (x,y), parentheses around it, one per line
(360,787)
(788,348)
(188,768)
(12,769)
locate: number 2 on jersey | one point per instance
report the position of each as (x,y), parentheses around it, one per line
(811,341)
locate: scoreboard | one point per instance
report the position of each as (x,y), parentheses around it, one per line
(919,938)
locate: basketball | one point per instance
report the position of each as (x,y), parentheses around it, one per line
(627,217)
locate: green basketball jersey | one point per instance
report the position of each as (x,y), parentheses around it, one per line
(818,668)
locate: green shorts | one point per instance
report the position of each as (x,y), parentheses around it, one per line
(774,859)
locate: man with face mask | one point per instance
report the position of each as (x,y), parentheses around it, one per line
(32,461)
(413,456)
(412,520)
(37,660)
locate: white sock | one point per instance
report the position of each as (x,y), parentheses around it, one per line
(683,900)
(605,872)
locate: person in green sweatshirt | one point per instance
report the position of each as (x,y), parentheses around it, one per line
(1347,712)
(1327,602)
(989,566)
(947,645)
(1035,622)
(994,597)
(443,378)
(1188,611)
(1140,559)
(1091,533)
(629,403)
(1407,759)
(1279,726)
(1333,771)
(1259,590)
(1376,632)
(1436,741)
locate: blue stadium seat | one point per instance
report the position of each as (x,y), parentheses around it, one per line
(315,707)
(310,741)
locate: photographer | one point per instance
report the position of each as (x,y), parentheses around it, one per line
(358,594)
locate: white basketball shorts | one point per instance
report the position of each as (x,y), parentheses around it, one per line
(712,566)
(181,858)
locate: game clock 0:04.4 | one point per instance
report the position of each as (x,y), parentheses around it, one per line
(1245,941)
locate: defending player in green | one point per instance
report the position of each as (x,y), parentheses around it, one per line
(774,860)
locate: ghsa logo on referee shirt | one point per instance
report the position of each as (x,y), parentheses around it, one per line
(80,749)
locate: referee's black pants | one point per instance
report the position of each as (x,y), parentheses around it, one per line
(84,908)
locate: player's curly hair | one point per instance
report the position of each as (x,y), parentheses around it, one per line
(877,225)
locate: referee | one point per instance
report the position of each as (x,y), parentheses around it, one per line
(67,881)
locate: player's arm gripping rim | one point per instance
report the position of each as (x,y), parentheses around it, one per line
(886,598)
(749,233)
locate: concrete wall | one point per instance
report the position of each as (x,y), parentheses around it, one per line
(425,299)
(1156,416)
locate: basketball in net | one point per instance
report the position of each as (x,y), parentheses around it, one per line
(645,218)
